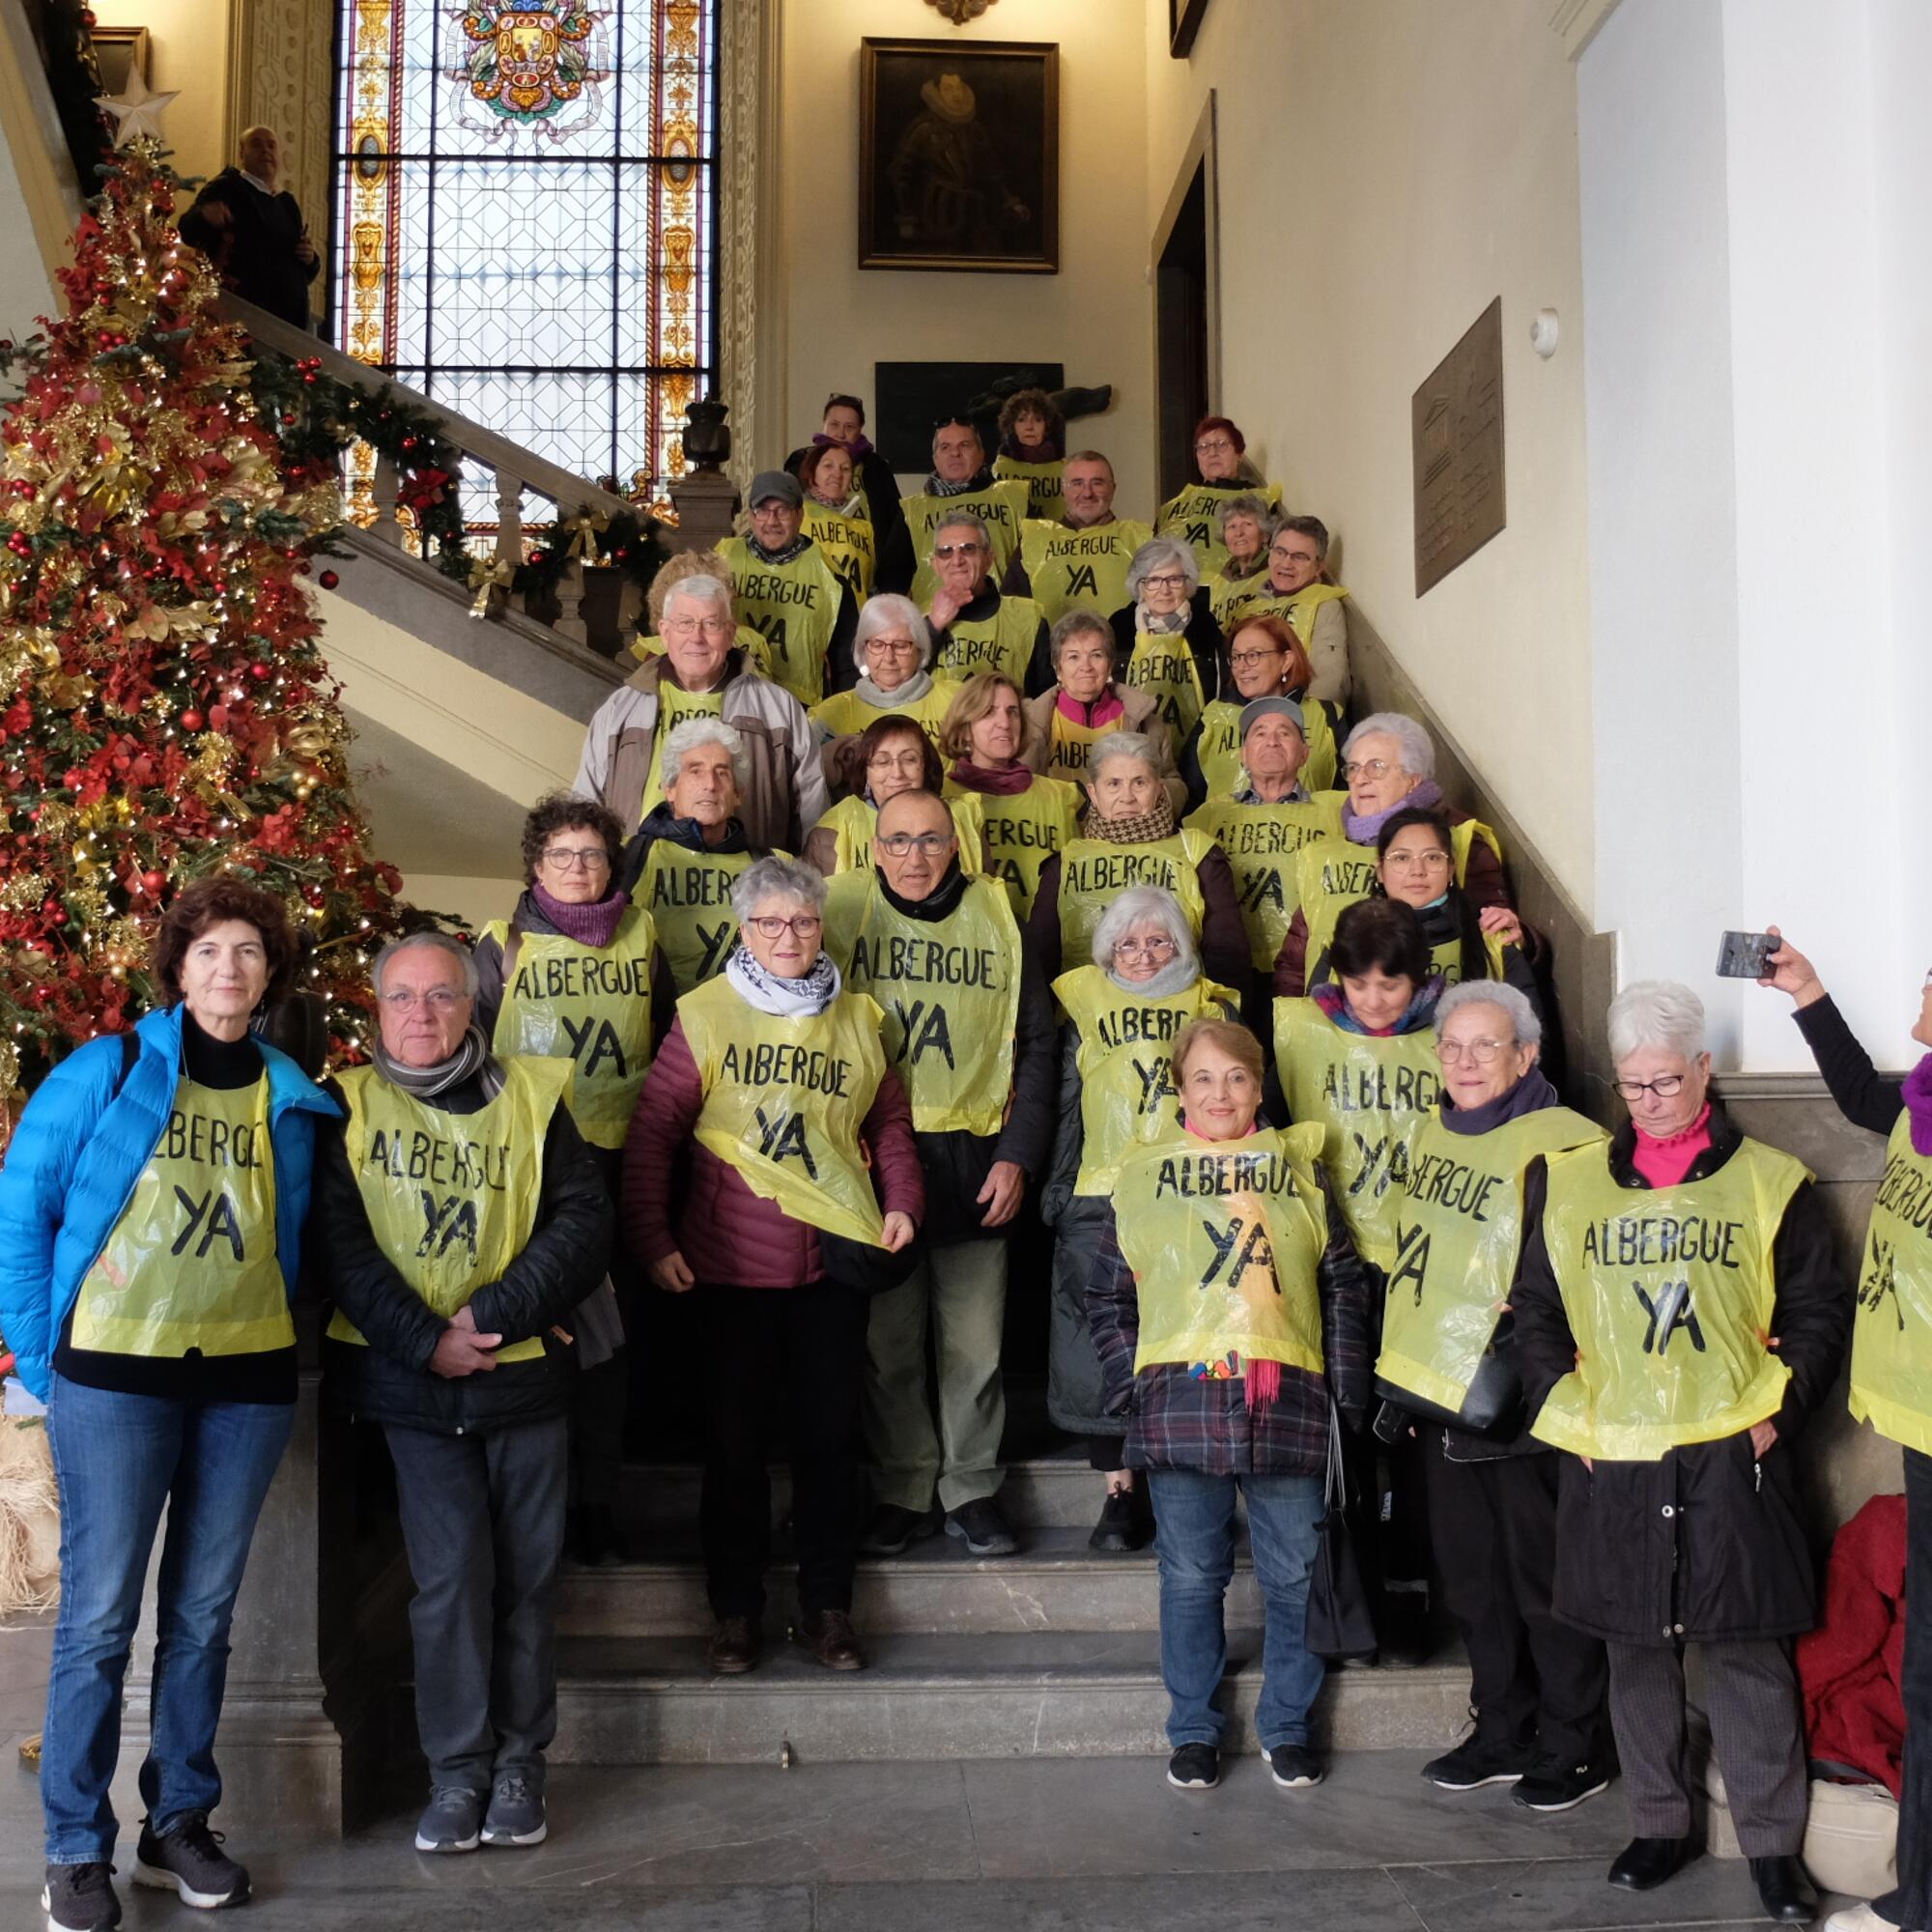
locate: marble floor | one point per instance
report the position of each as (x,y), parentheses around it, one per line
(1030,1845)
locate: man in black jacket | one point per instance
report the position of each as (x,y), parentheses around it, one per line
(253,231)
(461,1219)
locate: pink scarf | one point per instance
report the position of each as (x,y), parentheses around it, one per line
(594,923)
(1664,1163)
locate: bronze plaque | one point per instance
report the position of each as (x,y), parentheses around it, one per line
(1456,419)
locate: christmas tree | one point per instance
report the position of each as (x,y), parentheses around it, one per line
(165,712)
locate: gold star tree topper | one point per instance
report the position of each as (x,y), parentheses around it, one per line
(138,111)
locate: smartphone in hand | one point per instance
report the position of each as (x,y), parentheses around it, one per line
(1746,955)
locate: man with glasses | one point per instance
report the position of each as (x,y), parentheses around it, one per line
(1296,592)
(1193,514)
(788,592)
(462,1222)
(969,1025)
(1079,563)
(961,480)
(701,675)
(974,626)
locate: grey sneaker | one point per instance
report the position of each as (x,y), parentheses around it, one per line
(80,1898)
(516,1814)
(452,1821)
(190,1862)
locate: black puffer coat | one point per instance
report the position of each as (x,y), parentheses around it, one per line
(1709,1543)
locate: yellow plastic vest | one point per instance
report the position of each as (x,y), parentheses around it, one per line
(1219,747)
(590,1004)
(1231,598)
(674,705)
(1459,1233)
(1012,836)
(1001,642)
(1224,1238)
(1069,744)
(786,1100)
(1042,484)
(1080,570)
(191,1263)
(1164,667)
(1371,1097)
(949,990)
(1891,1333)
(850,546)
(852,823)
(1127,1096)
(1263,843)
(451,1197)
(794,607)
(1194,514)
(688,894)
(1296,612)
(847,714)
(1669,1293)
(1001,506)
(1094,871)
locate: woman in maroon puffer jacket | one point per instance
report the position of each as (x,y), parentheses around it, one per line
(774,1082)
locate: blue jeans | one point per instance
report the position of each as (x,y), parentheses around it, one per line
(118,1459)
(1194,1535)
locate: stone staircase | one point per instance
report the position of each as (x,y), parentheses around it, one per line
(1052,1653)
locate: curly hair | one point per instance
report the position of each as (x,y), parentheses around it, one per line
(1040,403)
(212,902)
(565,811)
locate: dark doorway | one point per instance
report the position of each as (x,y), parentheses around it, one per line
(1181,317)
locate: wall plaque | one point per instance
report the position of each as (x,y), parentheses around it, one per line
(1456,419)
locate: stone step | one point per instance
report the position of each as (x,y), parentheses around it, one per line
(651,1700)
(1056,1583)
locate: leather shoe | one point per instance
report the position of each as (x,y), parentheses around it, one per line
(1646,1863)
(1784,1888)
(734,1646)
(831,1637)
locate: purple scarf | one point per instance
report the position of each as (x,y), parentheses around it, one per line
(1530,1095)
(1366,831)
(859,447)
(594,923)
(1919,1104)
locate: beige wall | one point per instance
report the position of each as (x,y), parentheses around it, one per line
(1093,316)
(1387,170)
(187,52)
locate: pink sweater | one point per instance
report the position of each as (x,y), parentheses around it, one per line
(1664,1163)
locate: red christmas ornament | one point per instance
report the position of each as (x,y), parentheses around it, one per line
(190,720)
(154,884)
(258,670)
(329,579)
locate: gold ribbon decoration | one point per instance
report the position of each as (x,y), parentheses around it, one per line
(486,577)
(581,532)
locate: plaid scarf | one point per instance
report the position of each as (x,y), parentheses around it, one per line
(1142,830)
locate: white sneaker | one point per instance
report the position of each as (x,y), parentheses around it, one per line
(1859,1919)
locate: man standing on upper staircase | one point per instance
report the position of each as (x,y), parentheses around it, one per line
(253,232)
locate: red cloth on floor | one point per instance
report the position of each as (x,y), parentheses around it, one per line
(1851,1666)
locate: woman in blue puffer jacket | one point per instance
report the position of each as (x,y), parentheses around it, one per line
(151,1215)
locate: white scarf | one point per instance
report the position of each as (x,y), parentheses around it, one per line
(783,999)
(1168,625)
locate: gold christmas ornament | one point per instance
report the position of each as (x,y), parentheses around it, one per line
(22,891)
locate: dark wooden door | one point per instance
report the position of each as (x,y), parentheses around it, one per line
(1181,333)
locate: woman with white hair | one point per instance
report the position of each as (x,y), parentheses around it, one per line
(892,650)
(1245,523)
(1128,837)
(1473,1186)
(1085,703)
(1388,762)
(1143,984)
(771,1166)
(1166,642)
(1680,1317)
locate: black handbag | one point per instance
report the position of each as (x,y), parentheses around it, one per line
(1340,1624)
(1493,1407)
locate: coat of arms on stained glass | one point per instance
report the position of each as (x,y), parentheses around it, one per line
(528,67)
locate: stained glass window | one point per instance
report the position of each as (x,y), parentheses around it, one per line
(525,217)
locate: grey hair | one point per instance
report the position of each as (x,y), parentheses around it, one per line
(1524,1024)
(428,941)
(1418,750)
(704,589)
(1662,1013)
(1135,906)
(1122,745)
(963,519)
(1077,623)
(1155,552)
(889,608)
(1249,503)
(688,733)
(775,878)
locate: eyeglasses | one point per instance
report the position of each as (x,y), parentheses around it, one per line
(930,843)
(1256,657)
(576,858)
(1156,948)
(958,550)
(911,759)
(1209,446)
(689,626)
(1666,1087)
(438,999)
(1417,861)
(898,647)
(1294,555)
(771,926)
(1367,768)
(1165,582)
(1483,1052)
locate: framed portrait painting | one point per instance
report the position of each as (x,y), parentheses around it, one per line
(959,156)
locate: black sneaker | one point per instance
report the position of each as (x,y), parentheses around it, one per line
(981,1528)
(190,1862)
(1478,1761)
(516,1813)
(893,1528)
(1552,1785)
(1296,1767)
(1122,1523)
(80,1898)
(1194,1768)
(452,1821)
